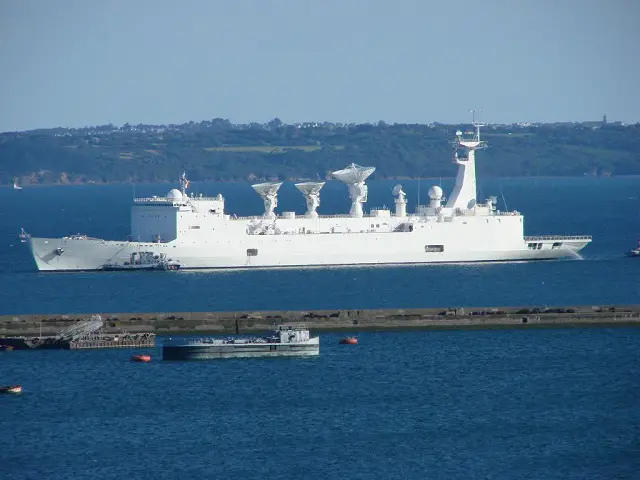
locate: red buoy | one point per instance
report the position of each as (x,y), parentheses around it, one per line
(141,358)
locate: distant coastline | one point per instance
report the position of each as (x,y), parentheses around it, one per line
(217,150)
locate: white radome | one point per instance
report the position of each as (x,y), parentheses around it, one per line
(175,195)
(196,232)
(435,193)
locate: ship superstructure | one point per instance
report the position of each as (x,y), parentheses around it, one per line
(197,232)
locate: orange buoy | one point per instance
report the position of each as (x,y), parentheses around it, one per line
(349,341)
(11,389)
(141,358)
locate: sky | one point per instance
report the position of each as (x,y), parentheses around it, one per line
(75,63)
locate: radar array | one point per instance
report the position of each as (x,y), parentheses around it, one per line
(311,192)
(354,176)
(269,193)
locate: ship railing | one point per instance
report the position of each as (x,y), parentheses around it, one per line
(539,238)
(461,213)
(184,339)
(292,326)
(171,200)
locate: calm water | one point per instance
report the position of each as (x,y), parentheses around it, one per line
(491,404)
(496,404)
(607,208)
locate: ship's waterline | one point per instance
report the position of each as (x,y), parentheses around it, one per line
(197,233)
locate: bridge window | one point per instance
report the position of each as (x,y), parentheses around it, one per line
(532,246)
(252,252)
(556,245)
(434,248)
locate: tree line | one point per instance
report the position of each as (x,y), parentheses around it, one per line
(217,150)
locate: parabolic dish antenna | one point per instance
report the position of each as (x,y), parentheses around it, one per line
(269,193)
(310,188)
(353,173)
(267,188)
(311,192)
(396,190)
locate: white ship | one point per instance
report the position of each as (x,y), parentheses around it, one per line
(197,232)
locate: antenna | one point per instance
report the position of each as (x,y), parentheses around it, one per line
(269,193)
(473,114)
(504,200)
(354,176)
(311,192)
(401,202)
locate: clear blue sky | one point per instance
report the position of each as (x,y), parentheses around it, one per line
(88,62)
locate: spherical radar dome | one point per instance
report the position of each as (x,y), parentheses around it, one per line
(435,193)
(175,195)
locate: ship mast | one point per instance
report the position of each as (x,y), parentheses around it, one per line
(184,184)
(464,191)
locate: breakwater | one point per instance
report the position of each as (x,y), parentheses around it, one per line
(328,320)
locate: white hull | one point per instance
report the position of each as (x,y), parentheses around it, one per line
(293,251)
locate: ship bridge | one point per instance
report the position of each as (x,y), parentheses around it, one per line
(162,218)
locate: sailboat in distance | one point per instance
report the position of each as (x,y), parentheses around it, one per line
(15,184)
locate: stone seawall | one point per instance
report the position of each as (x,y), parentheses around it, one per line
(327,320)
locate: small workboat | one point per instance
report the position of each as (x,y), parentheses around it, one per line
(23,236)
(635,252)
(141,358)
(144,261)
(11,389)
(349,341)
(286,341)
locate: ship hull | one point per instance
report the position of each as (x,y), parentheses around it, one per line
(221,349)
(270,251)
(211,352)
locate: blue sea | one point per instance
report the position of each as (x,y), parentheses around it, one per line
(536,403)
(487,404)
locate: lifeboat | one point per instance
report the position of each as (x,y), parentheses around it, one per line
(141,358)
(11,389)
(349,341)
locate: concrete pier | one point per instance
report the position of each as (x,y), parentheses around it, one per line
(330,320)
(132,340)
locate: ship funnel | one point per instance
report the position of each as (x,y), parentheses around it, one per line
(269,193)
(401,201)
(311,192)
(354,176)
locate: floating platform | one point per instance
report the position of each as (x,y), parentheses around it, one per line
(138,340)
(288,341)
